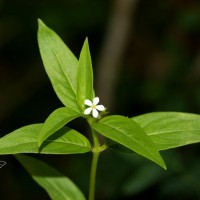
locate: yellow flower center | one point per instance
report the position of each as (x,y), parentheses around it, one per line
(93,106)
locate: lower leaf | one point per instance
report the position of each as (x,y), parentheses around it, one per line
(129,134)
(25,140)
(170,129)
(56,185)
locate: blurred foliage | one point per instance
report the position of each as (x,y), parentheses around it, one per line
(160,72)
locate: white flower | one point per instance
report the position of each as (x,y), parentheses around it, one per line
(94,108)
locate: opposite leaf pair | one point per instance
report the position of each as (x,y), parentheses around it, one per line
(73,83)
(67,72)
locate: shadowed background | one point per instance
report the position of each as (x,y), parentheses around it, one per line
(146,58)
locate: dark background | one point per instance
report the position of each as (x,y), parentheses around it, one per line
(146,58)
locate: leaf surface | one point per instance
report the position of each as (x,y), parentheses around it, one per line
(170,129)
(125,132)
(56,120)
(25,140)
(60,64)
(85,76)
(56,185)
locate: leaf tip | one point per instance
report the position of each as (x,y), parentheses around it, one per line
(40,22)
(163,165)
(86,43)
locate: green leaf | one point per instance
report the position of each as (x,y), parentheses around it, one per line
(60,64)
(170,129)
(56,185)
(85,76)
(127,133)
(55,121)
(25,140)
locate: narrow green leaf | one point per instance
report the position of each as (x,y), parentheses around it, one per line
(129,134)
(170,129)
(56,120)
(85,76)
(25,140)
(56,185)
(60,64)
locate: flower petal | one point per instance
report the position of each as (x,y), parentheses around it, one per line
(88,102)
(95,101)
(87,111)
(100,107)
(95,113)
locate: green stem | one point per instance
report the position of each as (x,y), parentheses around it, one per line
(95,140)
(93,175)
(96,152)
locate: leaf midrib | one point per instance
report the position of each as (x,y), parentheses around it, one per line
(55,187)
(127,136)
(160,133)
(26,143)
(60,64)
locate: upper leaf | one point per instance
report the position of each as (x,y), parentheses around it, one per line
(60,64)
(25,140)
(55,121)
(56,185)
(170,129)
(85,76)
(126,132)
